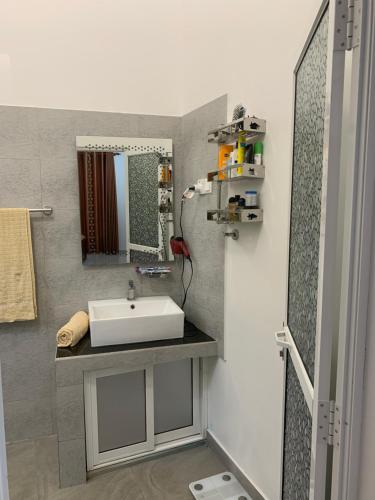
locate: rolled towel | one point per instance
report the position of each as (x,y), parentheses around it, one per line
(70,334)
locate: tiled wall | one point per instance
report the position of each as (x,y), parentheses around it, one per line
(38,167)
(205,303)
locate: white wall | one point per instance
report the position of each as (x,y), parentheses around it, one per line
(105,55)
(249,48)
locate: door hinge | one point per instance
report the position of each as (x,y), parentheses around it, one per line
(329,423)
(348,21)
(349,25)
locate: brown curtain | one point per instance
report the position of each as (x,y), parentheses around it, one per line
(98,200)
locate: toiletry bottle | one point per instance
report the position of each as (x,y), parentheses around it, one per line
(241,152)
(249,155)
(232,208)
(234,172)
(163,172)
(169,172)
(224,155)
(258,153)
(251,198)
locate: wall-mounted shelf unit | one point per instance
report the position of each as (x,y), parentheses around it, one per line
(252,130)
(250,127)
(225,216)
(249,171)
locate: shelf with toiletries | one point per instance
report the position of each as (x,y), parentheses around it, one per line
(249,127)
(238,172)
(240,158)
(239,161)
(238,215)
(238,209)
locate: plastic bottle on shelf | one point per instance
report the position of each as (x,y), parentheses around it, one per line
(251,198)
(224,155)
(258,153)
(249,155)
(241,150)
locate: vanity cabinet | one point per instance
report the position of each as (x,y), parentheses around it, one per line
(131,413)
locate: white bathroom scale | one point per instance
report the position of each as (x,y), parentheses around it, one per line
(223,486)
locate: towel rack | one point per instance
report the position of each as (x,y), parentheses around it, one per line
(44,210)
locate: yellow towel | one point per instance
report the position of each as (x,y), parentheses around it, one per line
(17,279)
(70,334)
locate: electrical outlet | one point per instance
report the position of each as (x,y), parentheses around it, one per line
(203,186)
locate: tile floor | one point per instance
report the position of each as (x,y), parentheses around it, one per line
(33,475)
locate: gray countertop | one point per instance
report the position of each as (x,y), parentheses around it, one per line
(71,363)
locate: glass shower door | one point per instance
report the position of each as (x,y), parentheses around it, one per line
(307,334)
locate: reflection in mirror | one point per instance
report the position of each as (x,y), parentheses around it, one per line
(126,200)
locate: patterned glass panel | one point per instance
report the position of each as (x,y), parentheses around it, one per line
(143,199)
(304,256)
(297,445)
(306,196)
(142,257)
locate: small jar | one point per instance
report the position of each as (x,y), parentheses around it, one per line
(251,198)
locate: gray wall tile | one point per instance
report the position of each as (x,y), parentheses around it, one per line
(59,179)
(20,183)
(70,412)
(27,377)
(28,419)
(62,234)
(57,137)
(18,133)
(107,124)
(205,303)
(72,461)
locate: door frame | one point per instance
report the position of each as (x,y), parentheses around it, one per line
(360,196)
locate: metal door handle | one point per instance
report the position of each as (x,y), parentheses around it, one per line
(281,340)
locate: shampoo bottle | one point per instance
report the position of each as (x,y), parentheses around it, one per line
(258,153)
(224,155)
(241,153)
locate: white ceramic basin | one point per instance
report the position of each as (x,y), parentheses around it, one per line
(123,321)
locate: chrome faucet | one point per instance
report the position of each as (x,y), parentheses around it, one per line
(131,290)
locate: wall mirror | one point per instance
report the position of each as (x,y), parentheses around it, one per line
(126,199)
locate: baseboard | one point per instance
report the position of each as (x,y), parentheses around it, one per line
(231,465)
(120,464)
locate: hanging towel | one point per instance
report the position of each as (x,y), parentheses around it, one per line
(70,334)
(17,279)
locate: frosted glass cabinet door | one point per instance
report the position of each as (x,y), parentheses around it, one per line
(119,414)
(121,406)
(129,413)
(176,399)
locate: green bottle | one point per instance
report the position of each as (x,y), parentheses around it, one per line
(258,153)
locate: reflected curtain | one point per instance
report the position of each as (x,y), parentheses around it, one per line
(98,202)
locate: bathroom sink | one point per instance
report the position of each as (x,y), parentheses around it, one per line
(123,321)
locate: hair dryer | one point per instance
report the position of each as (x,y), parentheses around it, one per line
(179,246)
